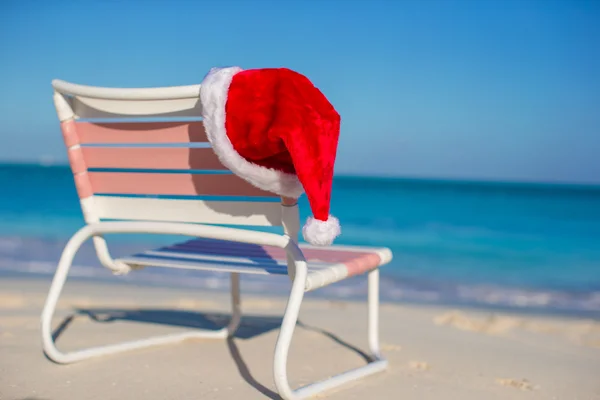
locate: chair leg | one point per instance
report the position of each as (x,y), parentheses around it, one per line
(373,304)
(236,309)
(56,287)
(288,325)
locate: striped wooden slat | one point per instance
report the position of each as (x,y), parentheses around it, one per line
(75,133)
(192,211)
(139,183)
(165,158)
(87,107)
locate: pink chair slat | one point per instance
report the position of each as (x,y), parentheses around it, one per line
(311,254)
(364,263)
(172,184)
(132,132)
(356,262)
(151,158)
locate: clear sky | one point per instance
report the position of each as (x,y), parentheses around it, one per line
(478,89)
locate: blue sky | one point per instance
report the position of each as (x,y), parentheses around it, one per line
(506,90)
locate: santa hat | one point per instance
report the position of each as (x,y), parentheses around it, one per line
(276,130)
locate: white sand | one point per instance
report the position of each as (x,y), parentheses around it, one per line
(434,353)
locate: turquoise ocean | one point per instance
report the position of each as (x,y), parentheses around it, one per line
(487,244)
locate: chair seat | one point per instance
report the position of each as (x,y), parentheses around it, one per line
(326,265)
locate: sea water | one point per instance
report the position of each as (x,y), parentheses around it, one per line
(531,246)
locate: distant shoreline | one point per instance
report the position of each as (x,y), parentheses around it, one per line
(407,180)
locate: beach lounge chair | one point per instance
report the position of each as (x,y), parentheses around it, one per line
(136,175)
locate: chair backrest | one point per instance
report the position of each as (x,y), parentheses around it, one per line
(143,154)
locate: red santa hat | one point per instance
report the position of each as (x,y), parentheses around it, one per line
(275,129)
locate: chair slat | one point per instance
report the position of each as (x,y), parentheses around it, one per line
(192,211)
(312,254)
(164,158)
(133,132)
(140,183)
(86,107)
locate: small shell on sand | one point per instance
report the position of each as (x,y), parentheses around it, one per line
(390,347)
(522,384)
(419,365)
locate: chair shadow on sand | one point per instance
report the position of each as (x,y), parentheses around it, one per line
(250,326)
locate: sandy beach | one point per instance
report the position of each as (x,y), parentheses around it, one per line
(434,352)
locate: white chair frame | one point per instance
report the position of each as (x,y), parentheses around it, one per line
(297,269)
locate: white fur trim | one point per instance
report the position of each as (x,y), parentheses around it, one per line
(321,233)
(213,96)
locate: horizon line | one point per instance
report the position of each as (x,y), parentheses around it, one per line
(384,177)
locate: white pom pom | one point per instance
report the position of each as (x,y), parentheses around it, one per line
(321,233)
